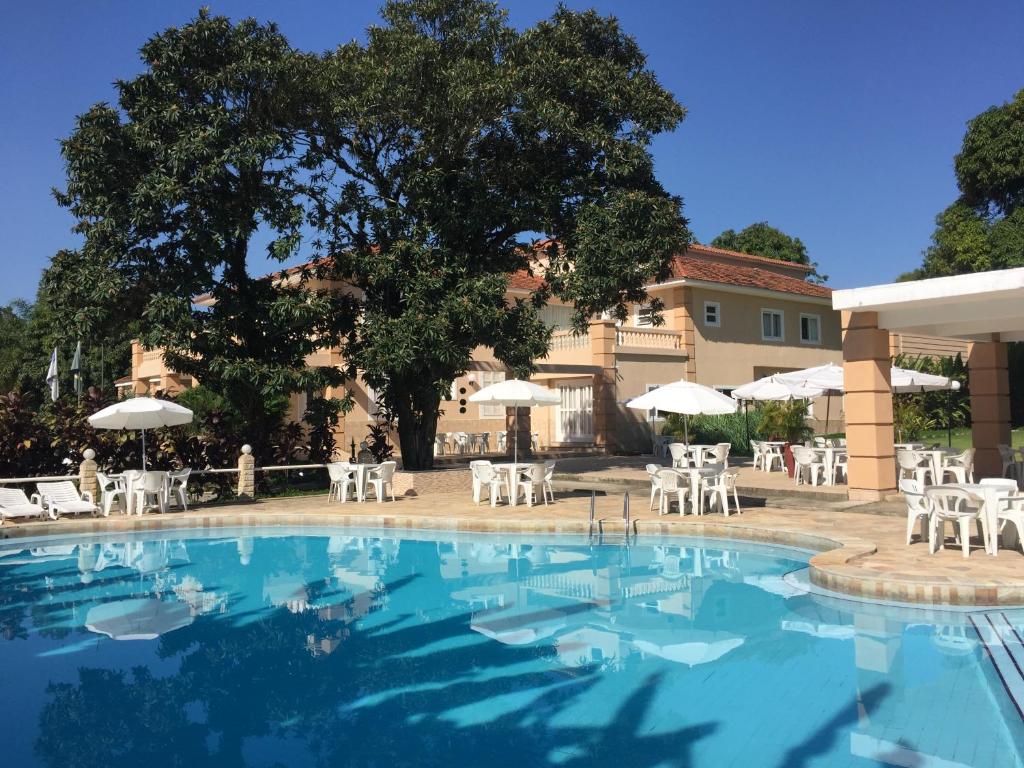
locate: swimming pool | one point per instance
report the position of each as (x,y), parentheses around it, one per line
(264,647)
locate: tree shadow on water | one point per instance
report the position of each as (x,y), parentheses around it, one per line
(391,693)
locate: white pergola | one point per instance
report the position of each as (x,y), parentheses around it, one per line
(984,308)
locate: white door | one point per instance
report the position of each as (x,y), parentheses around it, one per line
(574,414)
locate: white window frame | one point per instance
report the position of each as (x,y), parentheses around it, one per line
(487,410)
(638,310)
(817,318)
(718,314)
(782,324)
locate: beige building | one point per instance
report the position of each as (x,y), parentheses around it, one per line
(729,318)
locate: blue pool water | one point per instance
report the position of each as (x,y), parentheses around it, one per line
(268,647)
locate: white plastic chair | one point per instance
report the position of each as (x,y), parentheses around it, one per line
(112,489)
(500,436)
(955,505)
(1008,456)
(653,471)
(382,478)
(840,464)
(960,466)
(14,503)
(669,483)
(1012,511)
(177,487)
(151,492)
(914,465)
(486,476)
(460,443)
(758,447)
(342,478)
(549,475)
(773,454)
(717,489)
(919,507)
(680,454)
(477,482)
(721,453)
(531,477)
(808,466)
(62,498)
(440,444)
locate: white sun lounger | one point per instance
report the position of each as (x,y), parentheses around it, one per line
(14,503)
(62,498)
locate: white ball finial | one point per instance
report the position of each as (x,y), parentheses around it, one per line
(246,449)
(89,454)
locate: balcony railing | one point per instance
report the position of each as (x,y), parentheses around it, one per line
(561,340)
(649,338)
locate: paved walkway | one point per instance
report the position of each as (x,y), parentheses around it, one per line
(859,554)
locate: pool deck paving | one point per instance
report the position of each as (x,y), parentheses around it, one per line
(858,554)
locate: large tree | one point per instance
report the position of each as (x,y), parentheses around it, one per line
(762,239)
(447,144)
(170,185)
(984,228)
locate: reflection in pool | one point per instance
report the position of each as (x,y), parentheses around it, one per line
(270,647)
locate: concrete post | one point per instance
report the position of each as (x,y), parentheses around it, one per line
(869,429)
(990,405)
(602,346)
(246,474)
(87,475)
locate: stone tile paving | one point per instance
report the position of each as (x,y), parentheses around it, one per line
(858,554)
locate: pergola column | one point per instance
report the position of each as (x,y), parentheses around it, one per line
(602,346)
(990,405)
(869,429)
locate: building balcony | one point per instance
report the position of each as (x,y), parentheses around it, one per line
(650,340)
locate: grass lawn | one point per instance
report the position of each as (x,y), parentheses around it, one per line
(962,437)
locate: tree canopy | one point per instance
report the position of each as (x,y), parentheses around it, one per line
(762,239)
(984,228)
(169,187)
(416,173)
(443,148)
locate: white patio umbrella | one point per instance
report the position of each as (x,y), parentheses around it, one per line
(771,388)
(141,413)
(137,619)
(704,647)
(516,393)
(687,398)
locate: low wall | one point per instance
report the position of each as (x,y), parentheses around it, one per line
(432,481)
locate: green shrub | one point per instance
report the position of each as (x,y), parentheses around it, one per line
(730,428)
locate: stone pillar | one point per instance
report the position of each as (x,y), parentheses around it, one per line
(679,314)
(602,348)
(518,433)
(87,475)
(869,430)
(246,474)
(989,381)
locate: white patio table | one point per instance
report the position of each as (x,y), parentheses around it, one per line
(781,445)
(991,496)
(695,475)
(828,454)
(361,471)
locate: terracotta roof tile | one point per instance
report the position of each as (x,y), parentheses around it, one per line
(709,249)
(696,268)
(524,281)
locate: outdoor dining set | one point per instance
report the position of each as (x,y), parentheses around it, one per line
(939,487)
(133,491)
(699,475)
(529,480)
(464,443)
(353,480)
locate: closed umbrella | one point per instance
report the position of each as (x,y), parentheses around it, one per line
(687,398)
(141,413)
(516,393)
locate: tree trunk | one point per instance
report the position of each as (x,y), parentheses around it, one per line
(417,426)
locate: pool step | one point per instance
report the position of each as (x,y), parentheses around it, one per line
(1006,650)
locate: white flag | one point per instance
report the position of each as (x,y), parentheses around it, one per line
(51,377)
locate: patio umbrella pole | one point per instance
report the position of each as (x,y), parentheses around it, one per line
(143,450)
(686,427)
(828,412)
(515,435)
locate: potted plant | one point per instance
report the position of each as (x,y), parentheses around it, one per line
(786,421)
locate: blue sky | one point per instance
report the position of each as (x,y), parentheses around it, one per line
(835,121)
